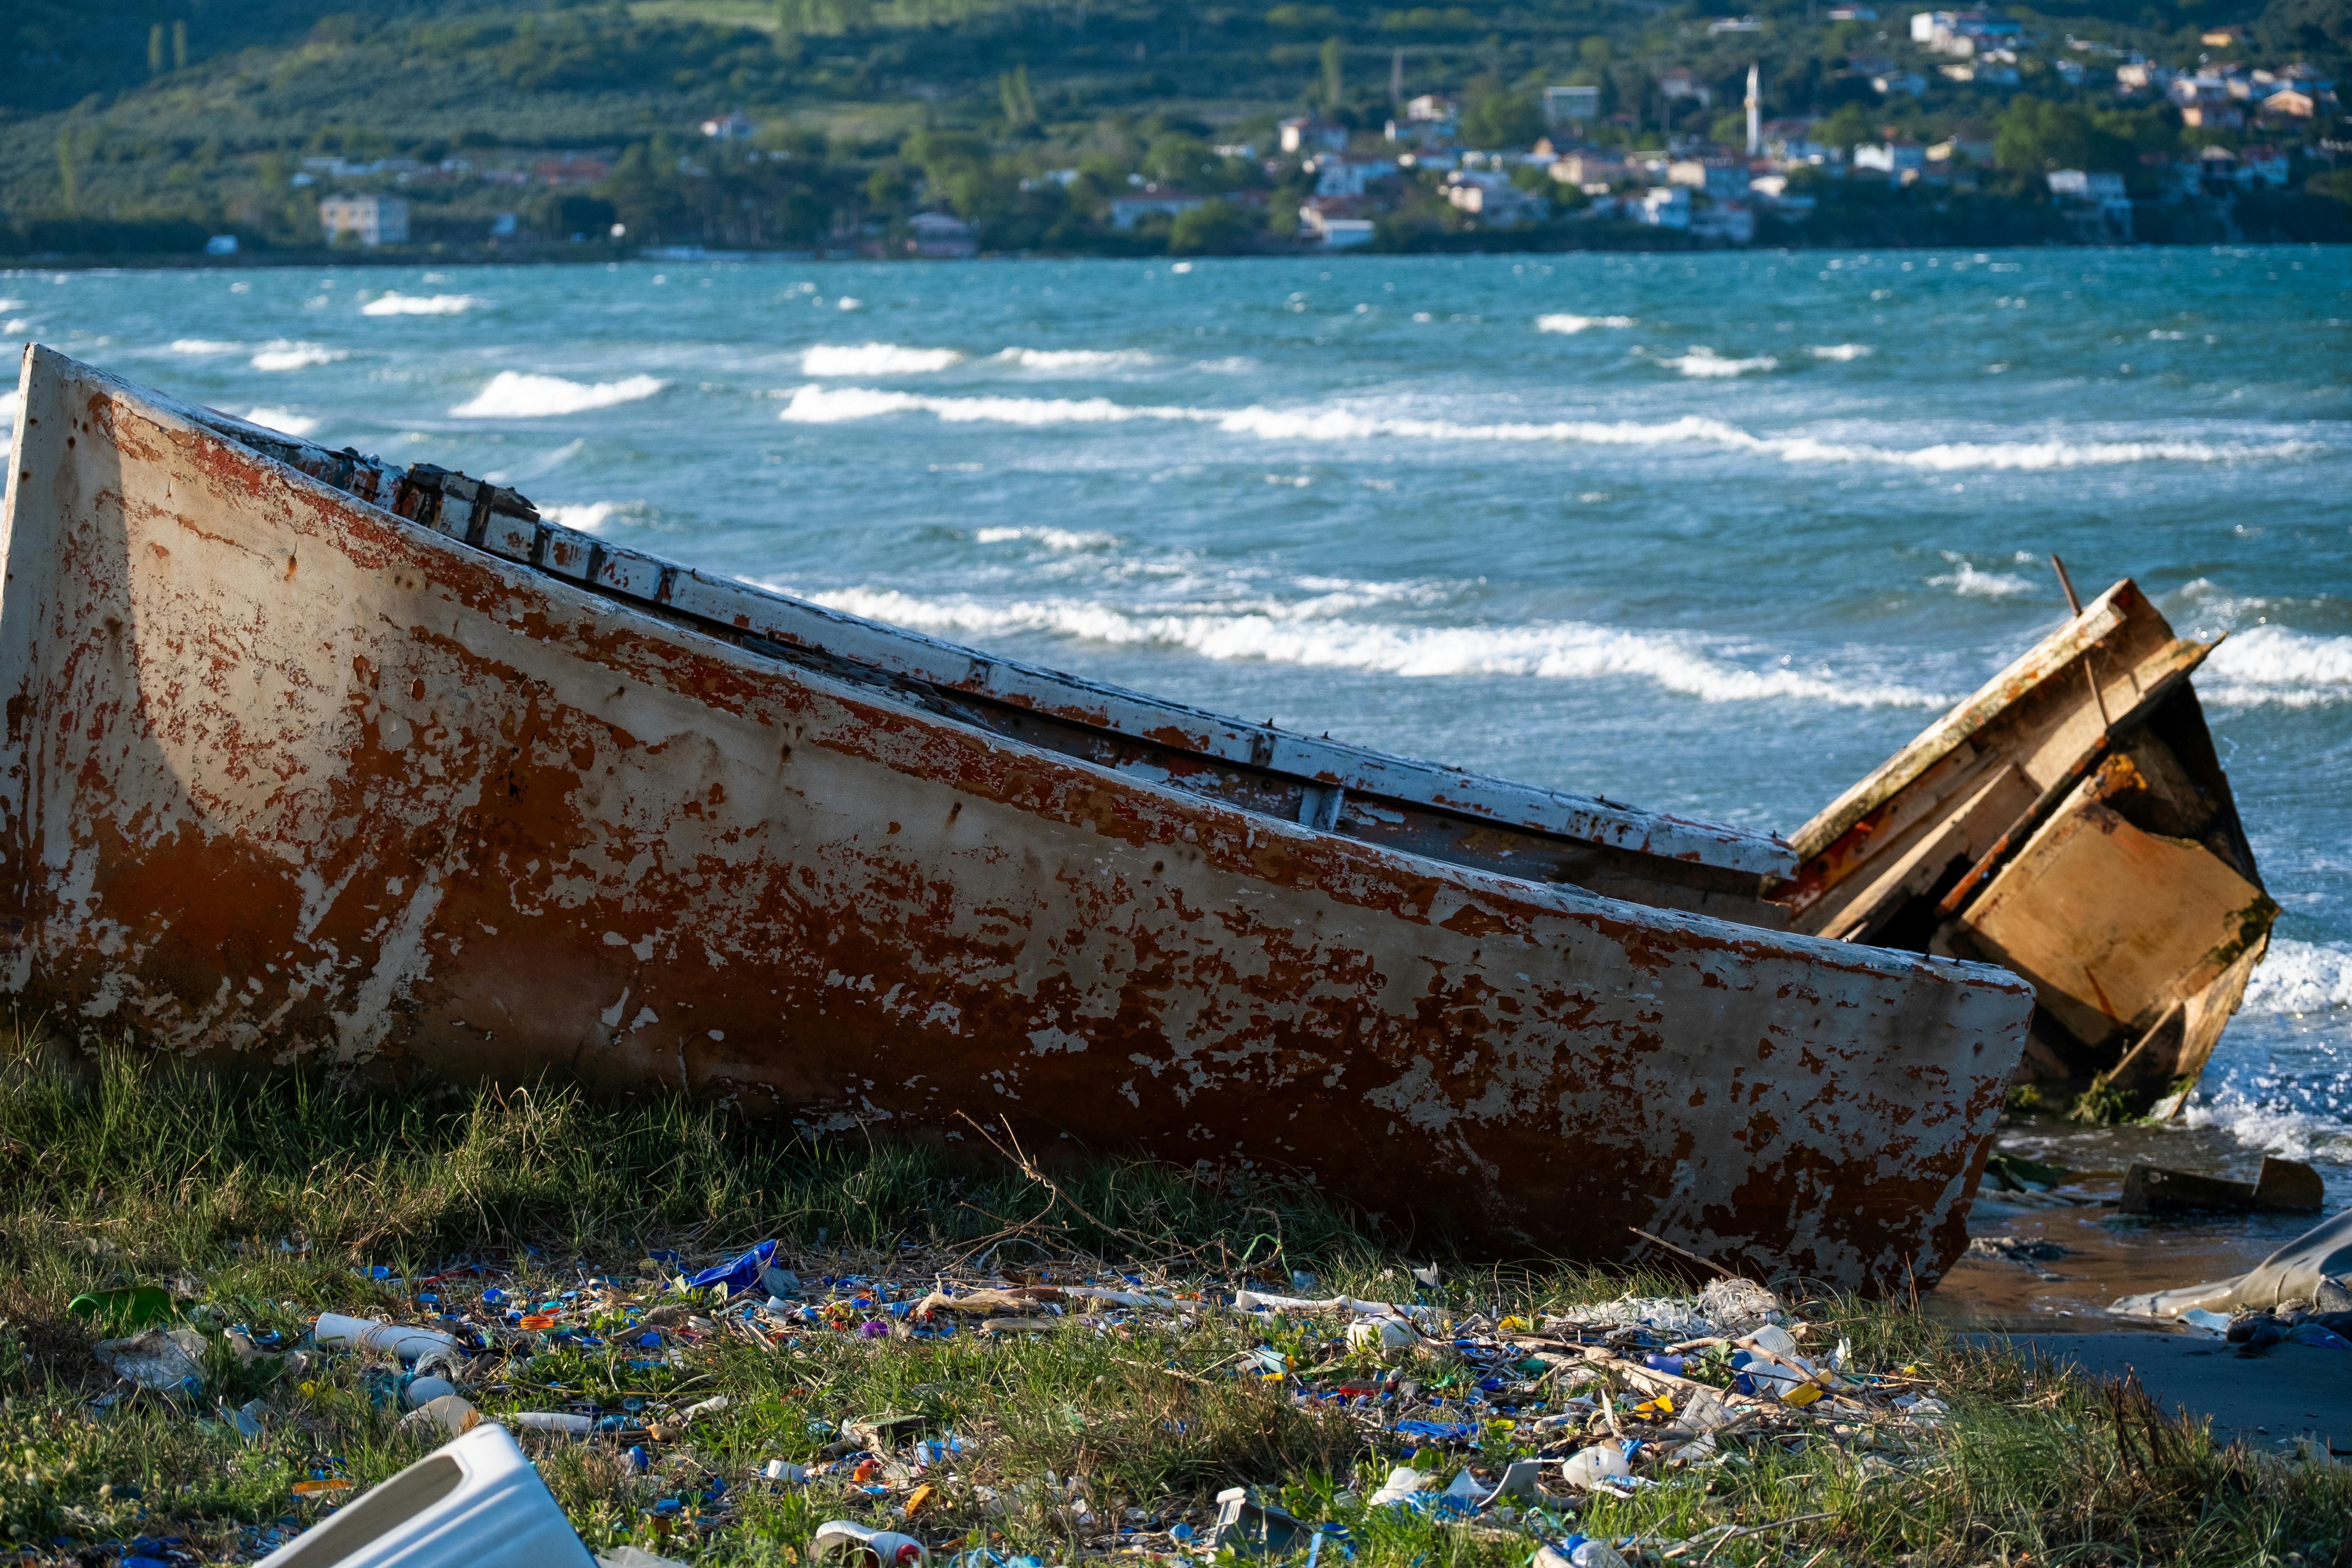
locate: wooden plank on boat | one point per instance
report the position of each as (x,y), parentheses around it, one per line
(288,776)
(2071,819)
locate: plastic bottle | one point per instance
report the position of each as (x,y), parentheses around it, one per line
(1579,1552)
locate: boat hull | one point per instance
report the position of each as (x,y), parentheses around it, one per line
(287,776)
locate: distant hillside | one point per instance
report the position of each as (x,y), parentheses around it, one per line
(202,111)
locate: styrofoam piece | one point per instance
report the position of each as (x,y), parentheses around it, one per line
(447,1510)
(337,1331)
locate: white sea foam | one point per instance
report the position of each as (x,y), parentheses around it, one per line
(1705,362)
(8,403)
(1051,537)
(834,405)
(284,419)
(1841,351)
(813,405)
(519,394)
(588,517)
(1564,322)
(2258,1121)
(2279,666)
(395,303)
(2301,977)
(205,346)
(1304,634)
(1969,583)
(1075,358)
(875,359)
(284,353)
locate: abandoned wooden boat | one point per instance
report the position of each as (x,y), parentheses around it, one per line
(312,755)
(2070,822)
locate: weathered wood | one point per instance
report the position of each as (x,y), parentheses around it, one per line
(288,776)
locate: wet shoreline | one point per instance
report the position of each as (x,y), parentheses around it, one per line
(2108,1254)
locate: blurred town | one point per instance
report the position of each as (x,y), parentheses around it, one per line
(925,129)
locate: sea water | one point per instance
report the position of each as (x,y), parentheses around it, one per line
(1711,533)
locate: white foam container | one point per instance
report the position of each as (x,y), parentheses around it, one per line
(473,1501)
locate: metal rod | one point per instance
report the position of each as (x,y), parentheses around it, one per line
(2074,600)
(2090,668)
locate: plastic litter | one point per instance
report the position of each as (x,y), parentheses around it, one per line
(1382,1333)
(1579,1552)
(1519,1481)
(554,1421)
(452,1413)
(847,1542)
(443,1512)
(1404,1482)
(2295,1272)
(1249,1528)
(1586,1467)
(422,1391)
(739,1274)
(781,1470)
(635,1557)
(336,1332)
(169,1361)
(125,1312)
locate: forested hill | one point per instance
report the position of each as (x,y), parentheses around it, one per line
(201,111)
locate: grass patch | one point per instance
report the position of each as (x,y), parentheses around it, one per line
(263,1201)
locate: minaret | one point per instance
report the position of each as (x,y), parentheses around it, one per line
(1754,115)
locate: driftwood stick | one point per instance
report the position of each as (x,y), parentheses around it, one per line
(1682,1252)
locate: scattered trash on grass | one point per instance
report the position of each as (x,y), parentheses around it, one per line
(1476,1417)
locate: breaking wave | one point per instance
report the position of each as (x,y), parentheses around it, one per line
(875,359)
(8,403)
(2266,1125)
(1557,651)
(286,354)
(205,346)
(2276,665)
(518,394)
(2299,977)
(1841,351)
(815,405)
(834,405)
(1969,583)
(395,303)
(1051,537)
(1563,322)
(587,517)
(1703,361)
(284,419)
(1075,358)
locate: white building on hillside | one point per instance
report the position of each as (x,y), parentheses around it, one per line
(372,220)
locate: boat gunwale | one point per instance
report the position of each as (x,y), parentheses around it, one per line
(1360,771)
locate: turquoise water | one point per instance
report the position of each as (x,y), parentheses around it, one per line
(1712,533)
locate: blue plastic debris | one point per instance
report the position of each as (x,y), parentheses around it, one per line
(1436,1431)
(737,1274)
(1667,1363)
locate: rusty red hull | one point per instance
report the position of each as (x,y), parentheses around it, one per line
(288,776)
